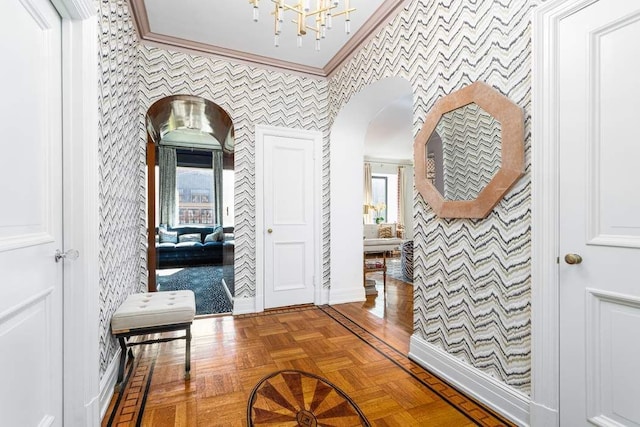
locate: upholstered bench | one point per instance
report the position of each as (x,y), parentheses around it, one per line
(150,313)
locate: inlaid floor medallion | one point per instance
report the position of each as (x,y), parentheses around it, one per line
(297,398)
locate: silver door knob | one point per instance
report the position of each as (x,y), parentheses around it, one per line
(269,230)
(572,259)
(71,254)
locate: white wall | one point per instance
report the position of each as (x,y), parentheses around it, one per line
(347,150)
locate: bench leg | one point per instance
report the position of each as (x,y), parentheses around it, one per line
(123,359)
(187,356)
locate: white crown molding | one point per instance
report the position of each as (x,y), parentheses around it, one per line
(380,18)
(75,9)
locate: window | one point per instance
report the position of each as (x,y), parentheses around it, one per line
(195,187)
(379,196)
(385,190)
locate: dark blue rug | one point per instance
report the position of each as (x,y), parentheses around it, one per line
(205,282)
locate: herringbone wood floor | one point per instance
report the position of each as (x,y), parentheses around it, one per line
(360,347)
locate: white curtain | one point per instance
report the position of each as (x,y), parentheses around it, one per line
(217,187)
(167,164)
(401,195)
(368,192)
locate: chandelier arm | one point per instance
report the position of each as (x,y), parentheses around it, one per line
(344,12)
(295,9)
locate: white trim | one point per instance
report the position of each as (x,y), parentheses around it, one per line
(11,312)
(342,295)
(80,211)
(315,137)
(75,9)
(506,400)
(108,383)
(244,306)
(545,324)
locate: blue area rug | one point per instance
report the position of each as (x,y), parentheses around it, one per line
(205,282)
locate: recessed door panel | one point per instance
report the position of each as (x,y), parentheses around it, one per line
(289,272)
(612,359)
(289,185)
(615,193)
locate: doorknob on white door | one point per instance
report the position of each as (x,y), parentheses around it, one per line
(269,230)
(572,259)
(71,254)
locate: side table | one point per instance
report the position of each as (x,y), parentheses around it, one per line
(371,266)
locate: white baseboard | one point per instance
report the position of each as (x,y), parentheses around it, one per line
(341,296)
(498,396)
(543,416)
(324,296)
(108,383)
(244,305)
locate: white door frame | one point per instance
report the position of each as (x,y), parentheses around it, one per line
(245,305)
(545,323)
(80,212)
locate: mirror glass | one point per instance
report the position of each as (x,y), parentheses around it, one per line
(464,152)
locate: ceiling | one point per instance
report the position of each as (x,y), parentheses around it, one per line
(389,135)
(227,29)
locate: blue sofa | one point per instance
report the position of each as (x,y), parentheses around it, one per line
(193,245)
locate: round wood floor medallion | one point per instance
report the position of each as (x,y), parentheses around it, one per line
(297,398)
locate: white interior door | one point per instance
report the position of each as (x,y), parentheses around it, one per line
(290,217)
(598,95)
(31,215)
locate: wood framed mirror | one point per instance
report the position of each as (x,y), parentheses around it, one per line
(469,152)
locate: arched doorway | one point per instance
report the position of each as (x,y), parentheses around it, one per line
(381,112)
(190,160)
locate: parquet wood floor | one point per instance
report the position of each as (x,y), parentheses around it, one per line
(231,355)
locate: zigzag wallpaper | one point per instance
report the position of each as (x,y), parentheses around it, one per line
(471,151)
(251,96)
(471,277)
(472,288)
(122,210)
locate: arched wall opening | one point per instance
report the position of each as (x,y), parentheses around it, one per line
(347,148)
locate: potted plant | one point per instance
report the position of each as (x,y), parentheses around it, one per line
(379,208)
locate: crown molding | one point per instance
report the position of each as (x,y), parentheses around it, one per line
(380,18)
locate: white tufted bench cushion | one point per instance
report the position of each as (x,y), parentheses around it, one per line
(154,309)
(151,313)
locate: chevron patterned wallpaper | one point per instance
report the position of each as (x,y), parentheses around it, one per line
(471,152)
(251,96)
(122,214)
(471,277)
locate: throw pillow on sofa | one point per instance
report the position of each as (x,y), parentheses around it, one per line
(216,236)
(168,236)
(192,237)
(384,232)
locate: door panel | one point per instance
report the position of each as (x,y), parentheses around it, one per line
(613,380)
(289,214)
(31,215)
(599,218)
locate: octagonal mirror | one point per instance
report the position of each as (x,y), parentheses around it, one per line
(469,152)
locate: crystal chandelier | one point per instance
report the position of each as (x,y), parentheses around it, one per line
(322,17)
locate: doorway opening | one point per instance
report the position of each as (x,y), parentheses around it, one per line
(190,177)
(372,147)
